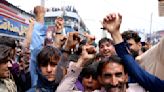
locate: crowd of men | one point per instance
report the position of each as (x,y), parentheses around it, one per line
(54,62)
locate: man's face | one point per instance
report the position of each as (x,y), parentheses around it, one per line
(134,47)
(106,49)
(113,77)
(90,83)
(4,69)
(49,70)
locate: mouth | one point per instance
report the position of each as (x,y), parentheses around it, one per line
(106,53)
(49,76)
(114,89)
(89,88)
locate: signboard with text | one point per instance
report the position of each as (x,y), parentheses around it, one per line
(12,27)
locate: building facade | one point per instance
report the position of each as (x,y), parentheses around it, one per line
(13,21)
(73,21)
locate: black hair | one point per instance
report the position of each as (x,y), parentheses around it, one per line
(90,70)
(114,59)
(8,41)
(47,55)
(4,53)
(130,34)
(105,40)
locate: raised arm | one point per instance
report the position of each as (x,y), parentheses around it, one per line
(68,83)
(27,41)
(112,24)
(153,59)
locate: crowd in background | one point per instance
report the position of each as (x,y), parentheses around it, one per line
(54,62)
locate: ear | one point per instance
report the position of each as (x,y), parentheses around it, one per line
(126,77)
(139,44)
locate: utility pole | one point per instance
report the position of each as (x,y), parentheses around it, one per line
(151,19)
(43,3)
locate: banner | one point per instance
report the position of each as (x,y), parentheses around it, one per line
(12,27)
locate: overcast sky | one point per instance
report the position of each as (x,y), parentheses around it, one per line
(136,13)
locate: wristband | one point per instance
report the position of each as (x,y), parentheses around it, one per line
(58,33)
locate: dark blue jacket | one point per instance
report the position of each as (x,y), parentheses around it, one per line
(146,80)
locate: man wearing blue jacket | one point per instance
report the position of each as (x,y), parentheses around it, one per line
(150,82)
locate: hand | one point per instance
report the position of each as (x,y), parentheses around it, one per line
(112,22)
(88,52)
(90,38)
(72,40)
(59,40)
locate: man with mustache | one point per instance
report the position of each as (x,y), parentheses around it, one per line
(113,76)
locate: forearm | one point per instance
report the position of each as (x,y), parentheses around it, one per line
(161,49)
(69,80)
(27,41)
(117,38)
(28,37)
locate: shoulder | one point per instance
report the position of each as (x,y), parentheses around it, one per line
(135,87)
(3,87)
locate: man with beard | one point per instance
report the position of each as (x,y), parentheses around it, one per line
(106,48)
(113,76)
(152,59)
(134,42)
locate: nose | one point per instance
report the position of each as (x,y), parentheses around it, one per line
(90,79)
(49,68)
(114,81)
(9,64)
(105,47)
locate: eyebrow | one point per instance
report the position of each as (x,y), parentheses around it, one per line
(119,73)
(109,74)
